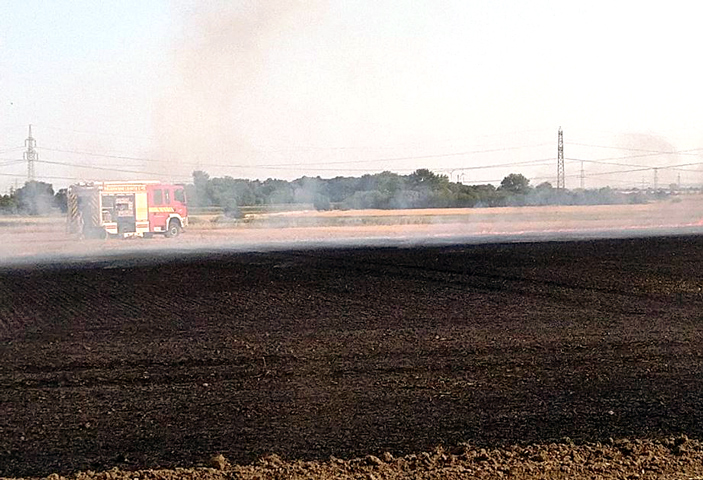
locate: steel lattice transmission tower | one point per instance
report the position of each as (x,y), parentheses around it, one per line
(31,155)
(561,184)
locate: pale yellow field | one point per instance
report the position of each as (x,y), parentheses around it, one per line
(27,238)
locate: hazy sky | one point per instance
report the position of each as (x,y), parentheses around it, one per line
(156,89)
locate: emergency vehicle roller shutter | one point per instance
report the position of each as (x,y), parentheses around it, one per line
(95,210)
(72,218)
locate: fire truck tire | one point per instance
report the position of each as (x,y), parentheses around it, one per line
(174,229)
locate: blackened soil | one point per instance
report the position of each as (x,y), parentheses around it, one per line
(151,363)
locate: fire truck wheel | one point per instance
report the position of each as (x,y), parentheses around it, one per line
(174,229)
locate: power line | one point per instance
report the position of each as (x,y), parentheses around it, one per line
(530,163)
(637,166)
(75,165)
(180,178)
(118,157)
(599,162)
(653,154)
(251,167)
(9,149)
(283,165)
(293,147)
(11,162)
(542,161)
(625,148)
(441,155)
(185,179)
(642,169)
(295,166)
(40,176)
(682,165)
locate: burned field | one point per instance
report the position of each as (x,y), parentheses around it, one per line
(139,363)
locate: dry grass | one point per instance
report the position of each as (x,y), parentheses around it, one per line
(687,211)
(28,236)
(23,221)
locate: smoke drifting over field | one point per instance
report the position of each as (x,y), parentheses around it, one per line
(44,239)
(221,98)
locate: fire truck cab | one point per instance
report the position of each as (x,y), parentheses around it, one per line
(126,209)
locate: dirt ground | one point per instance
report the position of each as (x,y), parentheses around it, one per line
(139,362)
(671,458)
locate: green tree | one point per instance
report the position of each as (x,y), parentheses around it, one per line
(275,191)
(516,184)
(424,178)
(389,183)
(341,188)
(8,203)
(201,184)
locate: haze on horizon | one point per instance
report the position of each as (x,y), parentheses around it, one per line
(157,89)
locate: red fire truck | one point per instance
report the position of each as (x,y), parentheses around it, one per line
(126,209)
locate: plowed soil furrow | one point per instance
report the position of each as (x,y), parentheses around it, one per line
(347,352)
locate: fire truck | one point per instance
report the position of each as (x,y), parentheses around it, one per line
(126,209)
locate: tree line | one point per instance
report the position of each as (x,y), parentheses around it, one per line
(386,190)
